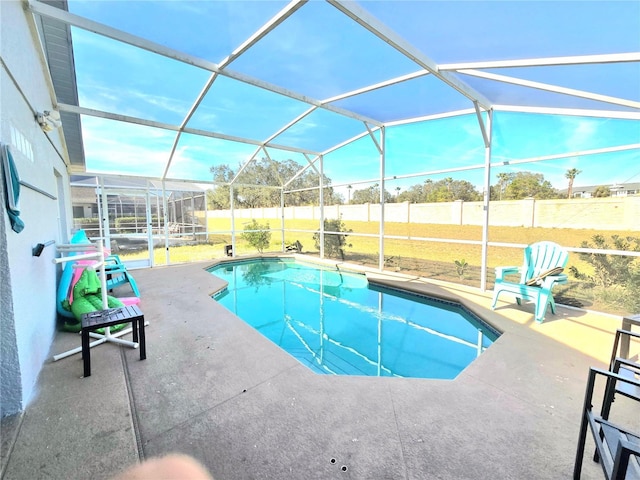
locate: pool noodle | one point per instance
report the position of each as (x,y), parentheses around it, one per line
(70,277)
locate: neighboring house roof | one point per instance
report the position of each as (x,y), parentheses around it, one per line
(613,187)
(84,182)
(83,188)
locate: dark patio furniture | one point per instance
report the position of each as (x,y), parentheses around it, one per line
(107,318)
(617,447)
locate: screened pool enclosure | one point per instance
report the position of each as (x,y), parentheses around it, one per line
(440,137)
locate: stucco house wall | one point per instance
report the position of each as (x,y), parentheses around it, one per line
(28,292)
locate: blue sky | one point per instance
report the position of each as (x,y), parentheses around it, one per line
(319,52)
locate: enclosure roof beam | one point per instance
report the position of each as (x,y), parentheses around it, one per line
(483,129)
(545,62)
(63,107)
(244,166)
(348,141)
(376,86)
(279,17)
(291,123)
(581,153)
(623,115)
(368,21)
(552,88)
(266,153)
(312,163)
(190,114)
(481,166)
(43,9)
(252,40)
(466,111)
(373,137)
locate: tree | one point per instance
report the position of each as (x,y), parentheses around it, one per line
(397,193)
(257,235)
(427,187)
(602,191)
(255,179)
(218,197)
(370,195)
(254,186)
(571,174)
(413,194)
(349,187)
(331,197)
(528,184)
(447,182)
(494,192)
(448,190)
(464,190)
(334,243)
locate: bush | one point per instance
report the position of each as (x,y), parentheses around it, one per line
(134,224)
(616,277)
(461,267)
(257,235)
(334,243)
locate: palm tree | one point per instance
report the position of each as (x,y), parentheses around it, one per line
(448,181)
(397,193)
(428,185)
(571,174)
(349,187)
(503,180)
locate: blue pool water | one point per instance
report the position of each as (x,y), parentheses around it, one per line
(335,322)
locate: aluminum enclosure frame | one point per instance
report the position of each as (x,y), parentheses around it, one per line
(449,74)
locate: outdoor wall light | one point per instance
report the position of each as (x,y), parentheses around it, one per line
(37,250)
(49,120)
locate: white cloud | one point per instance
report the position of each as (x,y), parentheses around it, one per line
(132,102)
(579,133)
(119,147)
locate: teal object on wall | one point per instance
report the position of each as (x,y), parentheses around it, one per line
(12,189)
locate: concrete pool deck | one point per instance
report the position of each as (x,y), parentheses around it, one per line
(214,388)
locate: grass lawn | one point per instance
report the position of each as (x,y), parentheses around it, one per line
(433,259)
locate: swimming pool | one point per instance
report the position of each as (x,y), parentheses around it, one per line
(335,322)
